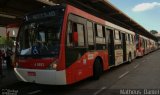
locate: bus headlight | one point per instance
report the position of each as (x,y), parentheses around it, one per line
(53,65)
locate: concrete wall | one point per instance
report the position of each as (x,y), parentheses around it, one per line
(3,31)
(11,33)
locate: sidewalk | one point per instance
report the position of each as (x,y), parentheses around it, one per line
(9,77)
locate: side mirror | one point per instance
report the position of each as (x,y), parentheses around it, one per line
(75,37)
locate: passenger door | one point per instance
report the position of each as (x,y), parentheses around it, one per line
(111,48)
(124,47)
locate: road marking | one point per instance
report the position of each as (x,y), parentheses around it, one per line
(34,92)
(136,66)
(121,76)
(99,91)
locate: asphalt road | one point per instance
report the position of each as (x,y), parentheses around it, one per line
(126,79)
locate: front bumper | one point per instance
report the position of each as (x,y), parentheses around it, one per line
(50,77)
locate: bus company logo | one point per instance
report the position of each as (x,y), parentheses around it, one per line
(39,64)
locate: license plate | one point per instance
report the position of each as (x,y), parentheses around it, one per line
(31,73)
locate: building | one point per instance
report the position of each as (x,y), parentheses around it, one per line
(2,32)
(11,32)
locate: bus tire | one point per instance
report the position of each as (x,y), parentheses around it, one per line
(97,69)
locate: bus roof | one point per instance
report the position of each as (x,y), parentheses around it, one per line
(112,14)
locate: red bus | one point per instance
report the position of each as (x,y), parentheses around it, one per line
(63,45)
(144,45)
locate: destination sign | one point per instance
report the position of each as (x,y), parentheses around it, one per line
(40,15)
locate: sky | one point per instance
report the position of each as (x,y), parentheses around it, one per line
(144,12)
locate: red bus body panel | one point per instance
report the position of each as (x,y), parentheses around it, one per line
(35,63)
(83,67)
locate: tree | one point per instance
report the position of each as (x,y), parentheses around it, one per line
(2,40)
(6,42)
(153,31)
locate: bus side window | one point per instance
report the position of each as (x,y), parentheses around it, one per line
(79,29)
(107,37)
(81,35)
(117,35)
(100,37)
(99,30)
(73,36)
(126,37)
(129,38)
(90,35)
(132,38)
(69,35)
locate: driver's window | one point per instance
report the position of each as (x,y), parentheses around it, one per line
(42,36)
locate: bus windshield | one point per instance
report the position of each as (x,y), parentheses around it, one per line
(40,37)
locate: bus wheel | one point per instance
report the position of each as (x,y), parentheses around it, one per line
(97,69)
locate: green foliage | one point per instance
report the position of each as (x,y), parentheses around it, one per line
(154,31)
(2,40)
(6,42)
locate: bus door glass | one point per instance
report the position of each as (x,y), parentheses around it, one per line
(111,48)
(124,47)
(137,38)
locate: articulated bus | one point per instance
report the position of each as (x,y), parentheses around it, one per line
(63,45)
